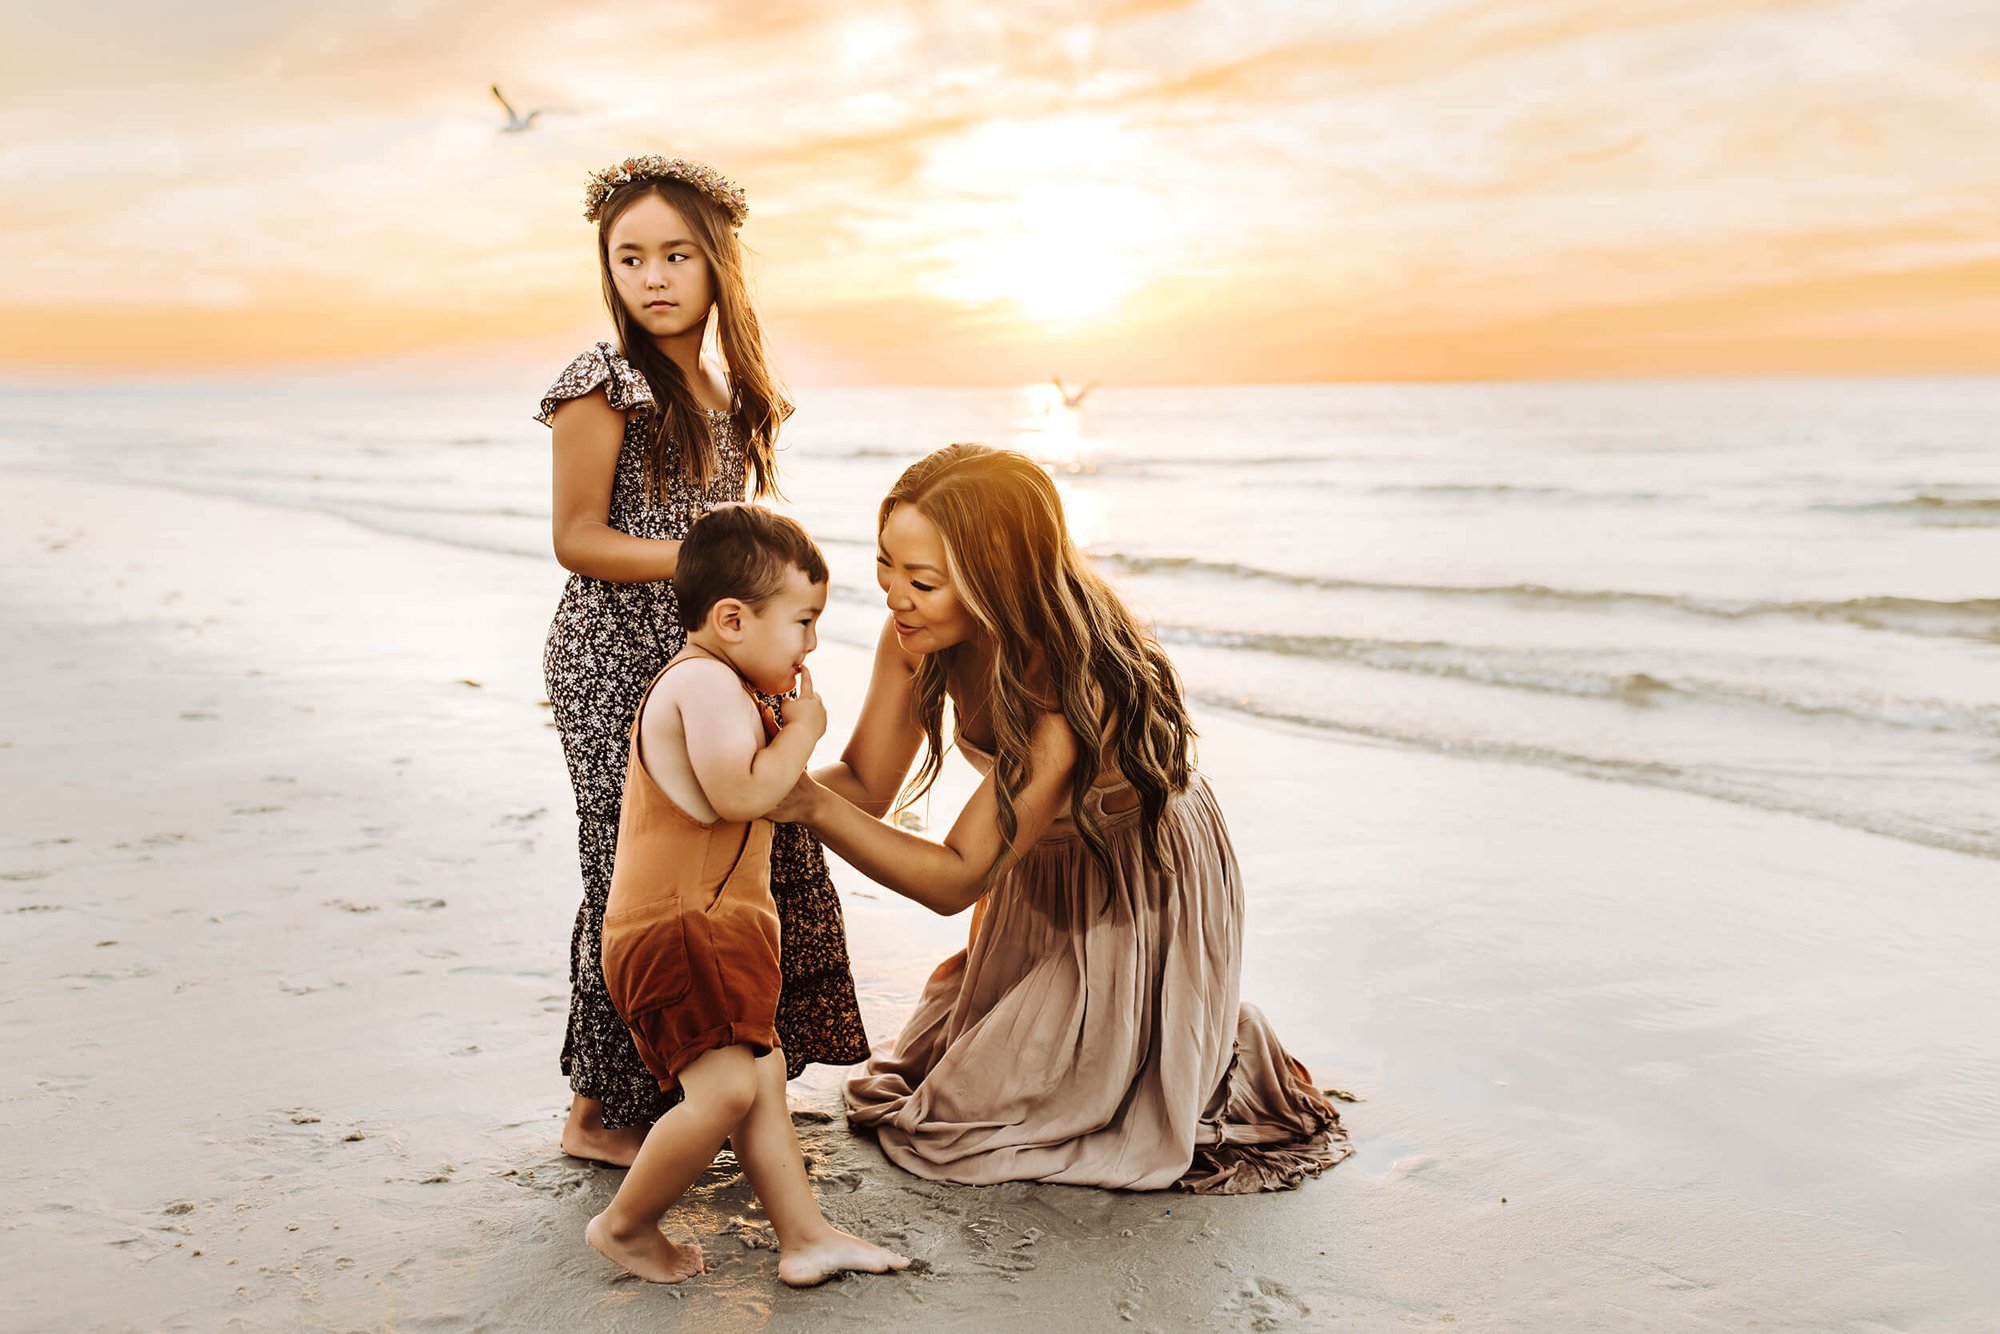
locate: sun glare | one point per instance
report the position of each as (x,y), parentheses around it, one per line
(1055,253)
(1037,224)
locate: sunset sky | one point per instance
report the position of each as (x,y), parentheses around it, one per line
(963,193)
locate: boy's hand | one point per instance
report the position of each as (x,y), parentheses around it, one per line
(807,709)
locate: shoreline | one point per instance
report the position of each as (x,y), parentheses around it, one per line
(1656,769)
(1721,1063)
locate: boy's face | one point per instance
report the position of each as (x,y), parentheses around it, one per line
(777,639)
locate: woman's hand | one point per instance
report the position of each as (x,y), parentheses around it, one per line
(798,805)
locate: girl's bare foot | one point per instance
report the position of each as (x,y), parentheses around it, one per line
(584,1135)
(837,1252)
(647,1253)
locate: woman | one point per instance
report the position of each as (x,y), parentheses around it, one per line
(1091,1031)
(647,435)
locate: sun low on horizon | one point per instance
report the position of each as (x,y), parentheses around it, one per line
(1136,190)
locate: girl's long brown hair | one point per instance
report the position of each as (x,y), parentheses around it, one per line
(1064,642)
(681,447)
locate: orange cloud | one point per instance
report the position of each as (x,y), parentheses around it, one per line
(1144,190)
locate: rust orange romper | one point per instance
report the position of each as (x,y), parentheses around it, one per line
(690,931)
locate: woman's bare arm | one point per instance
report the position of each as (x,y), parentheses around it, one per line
(886,734)
(588,433)
(951,876)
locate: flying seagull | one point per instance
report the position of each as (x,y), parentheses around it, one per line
(516,122)
(1072,400)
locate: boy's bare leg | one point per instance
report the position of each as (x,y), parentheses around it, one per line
(584,1135)
(810,1249)
(720,1086)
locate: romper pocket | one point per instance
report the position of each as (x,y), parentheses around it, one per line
(645,958)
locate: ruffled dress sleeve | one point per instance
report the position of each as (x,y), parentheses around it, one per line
(601,367)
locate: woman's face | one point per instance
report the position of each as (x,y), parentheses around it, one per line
(910,565)
(662,276)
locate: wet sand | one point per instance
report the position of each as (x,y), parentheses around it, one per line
(285,890)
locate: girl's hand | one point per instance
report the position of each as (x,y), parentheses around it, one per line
(796,806)
(806,709)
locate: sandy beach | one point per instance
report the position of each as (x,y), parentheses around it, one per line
(287,876)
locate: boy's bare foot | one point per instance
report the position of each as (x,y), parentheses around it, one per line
(647,1254)
(837,1252)
(584,1136)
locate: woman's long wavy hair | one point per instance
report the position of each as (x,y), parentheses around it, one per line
(681,447)
(1064,642)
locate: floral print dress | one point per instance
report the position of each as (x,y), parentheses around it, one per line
(605,646)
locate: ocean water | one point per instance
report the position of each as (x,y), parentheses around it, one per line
(1784,594)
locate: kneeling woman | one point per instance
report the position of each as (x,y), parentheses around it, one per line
(1091,1033)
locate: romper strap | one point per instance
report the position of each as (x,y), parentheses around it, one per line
(632,730)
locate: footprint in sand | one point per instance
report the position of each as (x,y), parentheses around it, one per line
(24,875)
(554,1180)
(1261,1303)
(994,1248)
(836,1179)
(755,1236)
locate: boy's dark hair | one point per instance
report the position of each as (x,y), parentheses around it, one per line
(740,551)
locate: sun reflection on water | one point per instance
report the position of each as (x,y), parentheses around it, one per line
(1049,431)
(1052,433)
(1083,510)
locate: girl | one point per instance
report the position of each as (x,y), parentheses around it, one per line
(1091,1032)
(647,434)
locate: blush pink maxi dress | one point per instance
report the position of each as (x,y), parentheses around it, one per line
(1092,1032)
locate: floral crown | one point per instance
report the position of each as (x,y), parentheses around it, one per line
(654,167)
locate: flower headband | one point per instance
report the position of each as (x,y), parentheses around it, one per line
(654,167)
